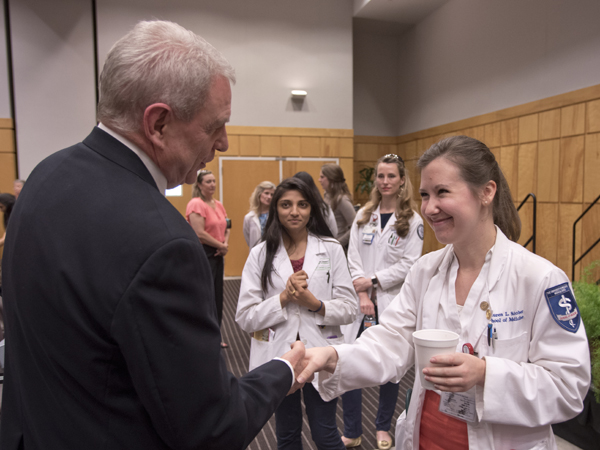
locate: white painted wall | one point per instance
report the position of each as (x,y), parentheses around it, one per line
(473,57)
(376,88)
(4,92)
(275,46)
(54,76)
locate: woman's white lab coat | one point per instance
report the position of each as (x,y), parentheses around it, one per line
(328,280)
(537,373)
(388,257)
(252,229)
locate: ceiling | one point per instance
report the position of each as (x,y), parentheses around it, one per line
(391,16)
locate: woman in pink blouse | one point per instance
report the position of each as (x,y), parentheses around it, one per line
(208,218)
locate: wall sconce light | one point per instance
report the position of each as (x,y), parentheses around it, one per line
(298,94)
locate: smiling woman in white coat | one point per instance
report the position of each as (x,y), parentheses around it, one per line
(522,358)
(296,285)
(386,239)
(256,219)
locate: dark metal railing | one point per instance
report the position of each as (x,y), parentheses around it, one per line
(576,261)
(534,234)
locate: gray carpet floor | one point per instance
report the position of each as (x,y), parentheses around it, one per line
(237,358)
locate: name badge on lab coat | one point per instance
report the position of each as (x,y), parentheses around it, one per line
(369,234)
(459,404)
(323,265)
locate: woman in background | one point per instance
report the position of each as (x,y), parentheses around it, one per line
(338,197)
(296,285)
(256,219)
(386,240)
(325,208)
(208,218)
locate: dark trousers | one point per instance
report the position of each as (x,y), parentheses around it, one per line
(352,405)
(321,419)
(217,268)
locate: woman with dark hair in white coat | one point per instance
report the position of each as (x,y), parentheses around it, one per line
(296,285)
(256,219)
(386,239)
(326,210)
(524,363)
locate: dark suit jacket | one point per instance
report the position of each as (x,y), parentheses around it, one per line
(112,336)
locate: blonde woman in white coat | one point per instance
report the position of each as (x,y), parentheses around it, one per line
(531,371)
(296,285)
(256,219)
(386,239)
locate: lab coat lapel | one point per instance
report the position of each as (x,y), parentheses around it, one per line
(281,264)
(313,255)
(433,295)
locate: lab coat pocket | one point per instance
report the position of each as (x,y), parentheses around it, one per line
(516,348)
(320,285)
(260,353)
(332,335)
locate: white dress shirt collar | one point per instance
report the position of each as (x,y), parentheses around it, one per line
(157,175)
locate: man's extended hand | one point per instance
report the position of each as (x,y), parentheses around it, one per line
(316,360)
(296,357)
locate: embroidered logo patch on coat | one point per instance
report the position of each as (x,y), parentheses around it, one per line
(563,307)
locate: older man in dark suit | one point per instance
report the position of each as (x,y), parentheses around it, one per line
(112,336)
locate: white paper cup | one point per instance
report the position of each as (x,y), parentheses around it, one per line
(430,343)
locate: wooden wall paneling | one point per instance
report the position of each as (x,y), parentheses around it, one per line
(7,140)
(571,169)
(593,116)
(366,153)
(234,145)
(290,146)
(346,147)
(408,150)
(591,168)
(547,231)
(492,135)
(476,133)
(528,128)
(330,147)
(567,213)
(572,120)
(310,147)
(240,177)
(527,173)
(509,163)
(590,234)
(550,124)
(386,149)
(249,145)
(8,172)
(548,175)
(180,203)
(509,132)
(526,215)
(415,177)
(270,145)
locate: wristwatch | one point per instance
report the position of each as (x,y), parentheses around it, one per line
(374,280)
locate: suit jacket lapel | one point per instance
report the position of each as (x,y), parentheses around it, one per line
(107,146)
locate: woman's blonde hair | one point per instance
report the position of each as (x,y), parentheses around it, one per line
(404,203)
(255,197)
(337,184)
(196,192)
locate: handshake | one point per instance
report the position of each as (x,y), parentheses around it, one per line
(307,362)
